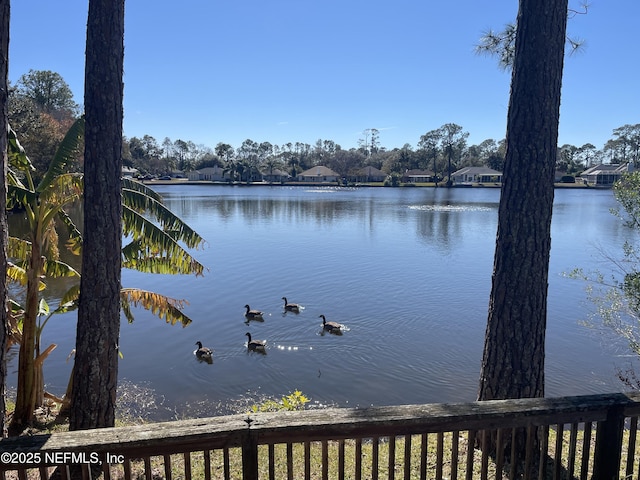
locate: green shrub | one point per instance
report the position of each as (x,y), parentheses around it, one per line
(291,402)
(392,180)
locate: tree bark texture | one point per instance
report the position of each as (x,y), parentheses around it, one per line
(514,351)
(96,364)
(4,108)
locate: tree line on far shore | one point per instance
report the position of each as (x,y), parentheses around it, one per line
(41,110)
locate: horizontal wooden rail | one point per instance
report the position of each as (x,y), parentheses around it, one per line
(249,431)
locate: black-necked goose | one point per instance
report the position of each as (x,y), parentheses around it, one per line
(330,326)
(290,307)
(253,314)
(203,353)
(255,344)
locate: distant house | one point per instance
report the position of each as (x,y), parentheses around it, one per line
(275,176)
(469,175)
(129,172)
(319,174)
(211,174)
(368,174)
(605,174)
(418,176)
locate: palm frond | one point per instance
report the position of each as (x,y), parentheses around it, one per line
(63,189)
(74,241)
(43,308)
(125,308)
(70,297)
(18,249)
(144,258)
(160,305)
(65,152)
(57,269)
(139,201)
(16,319)
(15,308)
(19,195)
(149,240)
(13,178)
(157,265)
(16,274)
(131,184)
(69,301)
(18,158)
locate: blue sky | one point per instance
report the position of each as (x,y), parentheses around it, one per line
(283,71)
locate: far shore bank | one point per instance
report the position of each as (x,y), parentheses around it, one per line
(184,181)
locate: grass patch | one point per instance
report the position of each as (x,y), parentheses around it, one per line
(426,456)
(344,458)
(415,456)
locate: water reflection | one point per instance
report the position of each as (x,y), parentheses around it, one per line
(438,214)
(444,219)
(260,211)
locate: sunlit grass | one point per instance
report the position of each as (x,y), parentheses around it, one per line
(422,459)
(354,454)
(290,461)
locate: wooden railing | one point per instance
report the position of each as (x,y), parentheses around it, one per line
(586,437)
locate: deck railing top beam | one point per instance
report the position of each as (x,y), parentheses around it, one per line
(228,431)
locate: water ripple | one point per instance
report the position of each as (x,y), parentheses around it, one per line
(451,208)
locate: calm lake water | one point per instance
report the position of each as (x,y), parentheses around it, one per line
(407,271)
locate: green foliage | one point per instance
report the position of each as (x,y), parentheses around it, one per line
(291,402)
(502,44)
(627,193)
(617,296)
(41,109)
(155,245)
(393,180)
(47,90)
(156,236)
(160,305)
(36,258)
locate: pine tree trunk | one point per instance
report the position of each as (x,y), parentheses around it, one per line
(514,351)
(96,362)
(4,99)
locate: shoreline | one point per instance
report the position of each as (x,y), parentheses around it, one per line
(184,181)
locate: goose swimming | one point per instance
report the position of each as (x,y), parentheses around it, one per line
(203,353)
(330,326)
(255,344)
(253,314)
(290,307)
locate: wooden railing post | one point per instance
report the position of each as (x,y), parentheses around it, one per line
(249,456)
(606,460)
